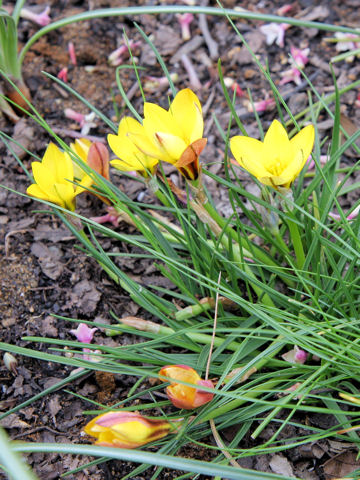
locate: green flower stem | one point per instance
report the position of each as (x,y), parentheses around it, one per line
(281,242)
(259,254)
(205,217)
(17,10)
(238,257)
(296,239)
(152,184)
(194,310)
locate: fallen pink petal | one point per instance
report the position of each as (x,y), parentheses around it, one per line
(353,215)
(72,54)
(274,32)
(118,56)
(83,333)
(185,20)
(41,18)
(261,106)
(63,74)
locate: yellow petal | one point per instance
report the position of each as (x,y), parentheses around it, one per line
(132,145)
(304,142)
(85,184)
(66,193)
(106,436)
(144,163)
(186,109)
(171,145)
(249,152)
(43,176)
(133,431)
(157,119)
(182,393)
(289,174)
(81,148)
(58,162)
(278,152)
(35,191)
(276,134)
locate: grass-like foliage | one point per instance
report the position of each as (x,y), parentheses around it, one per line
(278,276)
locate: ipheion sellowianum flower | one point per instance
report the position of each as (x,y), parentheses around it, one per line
(174,135)
(59,180)
(276,161)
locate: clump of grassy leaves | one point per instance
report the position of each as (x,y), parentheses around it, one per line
(301,288)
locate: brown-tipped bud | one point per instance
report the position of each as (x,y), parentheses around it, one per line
(16,97)
(123,429)
(98,159)
(140,324)
(10,362)
(188,164)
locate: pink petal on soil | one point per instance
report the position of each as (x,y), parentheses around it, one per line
(83,333)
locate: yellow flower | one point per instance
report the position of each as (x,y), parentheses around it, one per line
(177,132)
(126,429)
(183,396)
(55,173)
(53,177)
(173,136)
(130,134)
(277,161)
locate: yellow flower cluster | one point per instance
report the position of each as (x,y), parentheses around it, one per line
(175,136)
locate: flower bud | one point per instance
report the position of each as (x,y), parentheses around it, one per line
(10,362)
(126,429)
(184,396)
(188,164)
(98,159)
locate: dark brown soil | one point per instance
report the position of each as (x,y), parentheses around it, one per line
(42,272)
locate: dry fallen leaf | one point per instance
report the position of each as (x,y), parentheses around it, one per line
(280,464)
(13,421)
(340,465)
(24,136)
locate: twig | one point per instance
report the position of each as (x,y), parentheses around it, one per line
(193,78)
(71,133)
(132,90)
(221,445)
(217,437)
(10,234)
(214,329)
(210,42)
